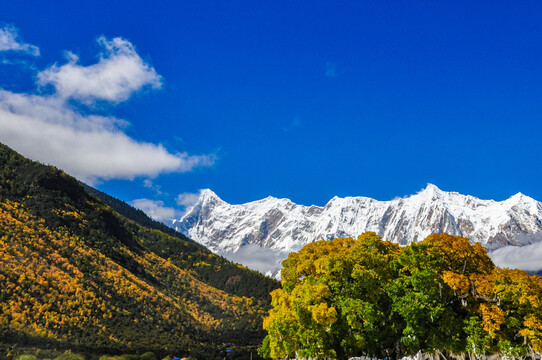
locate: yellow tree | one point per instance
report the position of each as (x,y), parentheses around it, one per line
(333,301)
(506,311)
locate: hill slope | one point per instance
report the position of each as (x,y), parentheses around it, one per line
(222,274)
(75,272)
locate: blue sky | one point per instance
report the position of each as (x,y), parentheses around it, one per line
(297,99)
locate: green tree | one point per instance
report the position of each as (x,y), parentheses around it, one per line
(333,301)
(433,313)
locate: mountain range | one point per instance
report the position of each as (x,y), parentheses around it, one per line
(282,226)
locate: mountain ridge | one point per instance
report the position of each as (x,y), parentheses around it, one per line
(282,225)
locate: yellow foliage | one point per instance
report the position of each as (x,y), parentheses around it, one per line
(533,331)
(50,296)
(492,318)
(323,314)
(458,282)
(201,263)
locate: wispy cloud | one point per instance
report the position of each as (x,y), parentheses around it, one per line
(54,129)
(187,200)
(296,122)
(149,184)
(331,70)
(11,41)
(156,209)
(528,258)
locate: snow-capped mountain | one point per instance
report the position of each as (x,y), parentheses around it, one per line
(283,226)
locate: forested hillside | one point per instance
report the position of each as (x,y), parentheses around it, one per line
(73,272)
(217,271)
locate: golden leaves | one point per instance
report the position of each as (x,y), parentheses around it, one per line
(458,282)
(323,314)
(492,318)
(59,287)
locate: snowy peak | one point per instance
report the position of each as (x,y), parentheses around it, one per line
(522,199)
(433,194)
(282,225)
(431,191)
(208,195)
(207,200)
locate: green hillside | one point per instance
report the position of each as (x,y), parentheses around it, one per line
(74,273)
(222,274)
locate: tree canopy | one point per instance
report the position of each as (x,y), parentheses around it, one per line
(349,297)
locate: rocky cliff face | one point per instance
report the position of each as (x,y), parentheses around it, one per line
(282,225)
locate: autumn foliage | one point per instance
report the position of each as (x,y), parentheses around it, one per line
(444,295)
(75,273)
(53,286)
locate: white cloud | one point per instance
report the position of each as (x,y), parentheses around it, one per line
(187,200)
(158,211)
(155,209)
(119,73)
(88,147)
(52,130)
(265,260)
(528,258)
(10,41)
